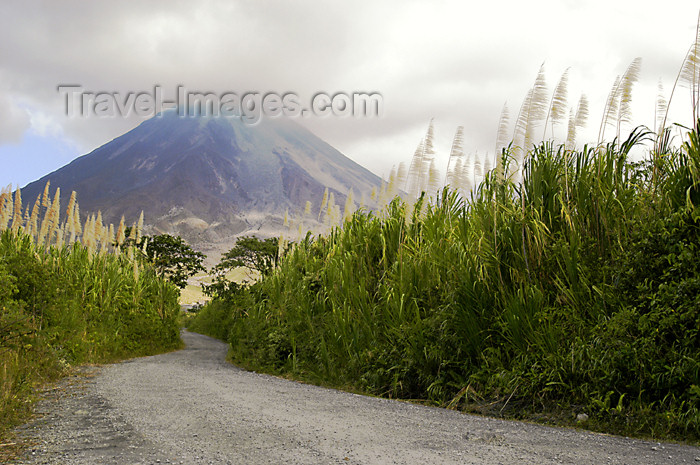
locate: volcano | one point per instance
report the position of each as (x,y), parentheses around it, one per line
(208,178)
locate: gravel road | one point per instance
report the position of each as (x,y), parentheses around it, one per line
(191,407)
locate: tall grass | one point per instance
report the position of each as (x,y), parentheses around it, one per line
(65,302)
(545,282)
(573,291)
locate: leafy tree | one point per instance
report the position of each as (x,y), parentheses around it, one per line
(260,255)
(222,288)
(173,258)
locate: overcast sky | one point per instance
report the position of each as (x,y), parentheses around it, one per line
(455,61)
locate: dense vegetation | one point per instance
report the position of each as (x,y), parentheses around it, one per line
(67,305)
(575,291)
(172,258)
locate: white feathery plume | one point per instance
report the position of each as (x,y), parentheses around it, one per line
(577,121)
(109,239)
(392,187)
(335,218)
(532,113)
(582,112)
(571,131)
(558,104)
(611,109)
(330,208)
(98,227)
(457,175)
(660,109)
(503,131)
(414,171)
(5,208)
(44,230)
(519,135)
(324,203)
(349,206)
(478,169)
(56,206)
(34,217)
(456,152)
(54,225)
(76,219)
(690,71)
(689,74)
(468,173)
(70,212)
(537,107)
(121,233)
(401,176)
(428,157)
(139,228)
(381,198)
(429,151)
(25,219)
(59,237)
(502,139)
(489,163)
(630,77)
(88,233)
(433,179)
(46,198)
(17,211)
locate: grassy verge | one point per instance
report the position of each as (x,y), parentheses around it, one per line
(575,292)
(62,307)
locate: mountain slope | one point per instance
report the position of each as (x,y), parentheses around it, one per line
(207,178)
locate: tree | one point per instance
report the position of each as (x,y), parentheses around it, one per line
(260,255)
(172,258)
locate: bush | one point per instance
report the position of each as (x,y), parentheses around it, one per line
(575,291)
(65,306)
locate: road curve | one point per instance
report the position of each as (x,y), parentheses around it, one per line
(191,407)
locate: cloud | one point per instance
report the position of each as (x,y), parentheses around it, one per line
(44,125)
(452,60)
(14,121)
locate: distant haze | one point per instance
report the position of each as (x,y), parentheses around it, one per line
(458,62)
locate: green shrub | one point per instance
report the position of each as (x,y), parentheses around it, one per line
(575,291)
(66,306)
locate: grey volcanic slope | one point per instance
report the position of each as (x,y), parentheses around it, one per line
(213,170)
(191,407)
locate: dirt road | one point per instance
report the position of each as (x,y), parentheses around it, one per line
(191,407)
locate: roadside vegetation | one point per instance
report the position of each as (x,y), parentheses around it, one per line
(574,292)
(553,282)
(72,294)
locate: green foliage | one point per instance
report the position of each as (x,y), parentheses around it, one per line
(217,318)
(7,284)
(575,291)
(260,255)
(66,306)
(173,258)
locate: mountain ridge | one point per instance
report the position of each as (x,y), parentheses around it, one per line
(207,179)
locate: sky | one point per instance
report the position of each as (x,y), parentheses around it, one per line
(455,62)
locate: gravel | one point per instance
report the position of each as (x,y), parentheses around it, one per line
(191,407)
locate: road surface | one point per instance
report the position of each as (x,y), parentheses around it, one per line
(191,407)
